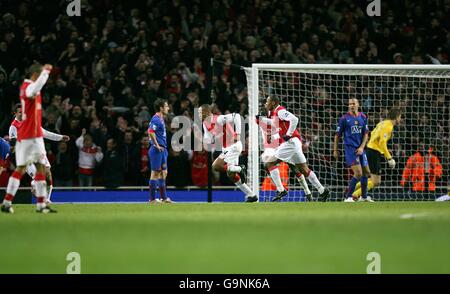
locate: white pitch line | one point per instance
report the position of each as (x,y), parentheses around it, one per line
(412,215)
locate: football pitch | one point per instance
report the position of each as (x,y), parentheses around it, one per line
(410,237)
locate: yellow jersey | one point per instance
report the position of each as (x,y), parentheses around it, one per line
(380,136)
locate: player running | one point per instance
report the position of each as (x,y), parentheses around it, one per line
(30,143)
(377,149)
(31,168)
(289,148)
(270,144)
(218,127)
(353,125)
(158,152)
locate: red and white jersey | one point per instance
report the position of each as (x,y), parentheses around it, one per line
(87,157)
(284,122)
(31,101)
(14,129)
(217,126)
(16,125)
(269,133)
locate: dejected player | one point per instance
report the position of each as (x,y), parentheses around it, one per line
(353,126)
(158,152)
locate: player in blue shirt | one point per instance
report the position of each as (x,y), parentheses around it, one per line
(353,126)
(157,153)
(4,152)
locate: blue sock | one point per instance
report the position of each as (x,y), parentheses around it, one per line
(162,188)
(152,187)
(351,186)
(364,183)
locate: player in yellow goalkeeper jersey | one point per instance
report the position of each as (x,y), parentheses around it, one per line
(377,149)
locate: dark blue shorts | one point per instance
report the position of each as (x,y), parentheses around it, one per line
(4,149)
(352,159)
(158,159)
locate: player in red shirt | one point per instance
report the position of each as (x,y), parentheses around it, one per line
(30,146)
(270,143)
(289,147)
(219,132)
(31,168)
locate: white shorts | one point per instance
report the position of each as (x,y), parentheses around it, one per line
(291,151)
(231,153)
(30,151)
(31,168)
(268,155)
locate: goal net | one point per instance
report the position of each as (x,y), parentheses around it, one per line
(318,95)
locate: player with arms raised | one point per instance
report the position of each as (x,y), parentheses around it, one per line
(289,148)
(216,127)
(30,142)
(158,152)
(377,149)
(353,126)
(31,168)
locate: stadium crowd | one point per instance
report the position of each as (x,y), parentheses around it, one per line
(113,61)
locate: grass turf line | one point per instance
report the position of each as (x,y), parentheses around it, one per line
(228,238)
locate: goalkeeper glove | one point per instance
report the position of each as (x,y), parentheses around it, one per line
(391,163)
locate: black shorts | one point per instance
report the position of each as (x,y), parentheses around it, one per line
(375,159)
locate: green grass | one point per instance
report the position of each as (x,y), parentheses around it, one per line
(228,238)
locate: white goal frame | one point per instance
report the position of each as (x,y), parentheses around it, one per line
(353,69)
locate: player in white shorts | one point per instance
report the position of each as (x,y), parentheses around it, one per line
(30,143)
(31,168)
(289,148)
(270,143)
(218,131)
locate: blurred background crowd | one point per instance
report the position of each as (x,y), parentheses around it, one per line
(113,61)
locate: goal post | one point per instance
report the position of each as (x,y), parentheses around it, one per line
(318,95)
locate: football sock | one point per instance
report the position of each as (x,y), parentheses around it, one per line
(351,186)
(152,188)
(243,187)
(162,188)
(358,191)
(312,178)
(301,179)
(11,190)
(41,190)
(276,179)
(364,183)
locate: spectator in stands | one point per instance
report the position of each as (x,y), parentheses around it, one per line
(89,156)
(113,166)
(144,161)
(199,168)
(63,167)
(178,162)
(117,58)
